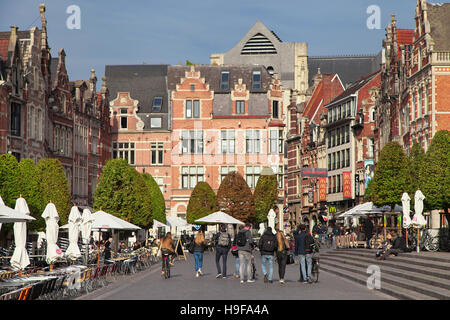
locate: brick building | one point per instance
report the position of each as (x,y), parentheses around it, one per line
(189,124)
(307,150)
(418,105)
(43,114)
(351,142)
(225,118)
(140,123)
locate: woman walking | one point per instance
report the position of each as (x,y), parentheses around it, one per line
(282,253)
(199,248)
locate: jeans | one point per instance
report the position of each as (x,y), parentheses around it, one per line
(305,271)
(282,260)
(198,256)
(221,252)
(265,259)
(245,259)
(237,266)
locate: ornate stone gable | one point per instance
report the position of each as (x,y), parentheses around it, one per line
(124,101)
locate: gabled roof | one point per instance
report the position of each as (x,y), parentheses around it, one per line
(349,68)
(355,87)
(404,37)
(329,87)
(144,82)
(212,75)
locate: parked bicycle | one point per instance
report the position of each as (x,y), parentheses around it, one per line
(315,263)
(426,240)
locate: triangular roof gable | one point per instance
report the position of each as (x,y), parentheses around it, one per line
(258,28)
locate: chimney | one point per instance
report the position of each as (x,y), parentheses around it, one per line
(44,43)
(13,38)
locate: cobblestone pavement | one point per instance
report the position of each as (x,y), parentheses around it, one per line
(183,285)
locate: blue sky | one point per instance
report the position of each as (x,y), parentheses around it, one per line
(173,31)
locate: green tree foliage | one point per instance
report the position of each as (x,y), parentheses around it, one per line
(29,188)
(54,187)
(266,194)
(9,179)
(235,198)
(201,203)
(435,173)
(122,191)
(158,202)
(391,176)
(416,162)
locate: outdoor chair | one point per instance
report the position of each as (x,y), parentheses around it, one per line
(58,288)
(48,288)
(24,293)
(36,290)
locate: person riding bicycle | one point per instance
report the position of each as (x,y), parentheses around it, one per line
(167,247)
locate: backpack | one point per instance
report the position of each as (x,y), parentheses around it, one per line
(241,239)
(224,240)
(268,244)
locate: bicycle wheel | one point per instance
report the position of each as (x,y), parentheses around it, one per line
(431,243)
(167,269)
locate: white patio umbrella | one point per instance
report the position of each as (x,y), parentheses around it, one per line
(157,224)
(175,222)
(73,251)
(51,217)
(418,220)
(219,217)
(406,210)
(20,259)
(86,225)
(9,215)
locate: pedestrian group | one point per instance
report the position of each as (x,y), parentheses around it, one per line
(271,247)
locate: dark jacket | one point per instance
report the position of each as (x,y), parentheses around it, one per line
(199,248)
(267,236)
(300,243)
(249,243)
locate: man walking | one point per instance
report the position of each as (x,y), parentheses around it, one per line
(223,245)
(244,241)
(303,241)
(267,246)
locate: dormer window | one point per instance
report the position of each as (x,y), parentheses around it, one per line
(157,103)
(225,80)
(256,80)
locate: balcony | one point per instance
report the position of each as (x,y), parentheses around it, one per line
(441,57)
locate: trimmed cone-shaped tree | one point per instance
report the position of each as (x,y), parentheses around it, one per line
(143,214)
(9,179)
(54,187)
(435,173)
(30,189)
(391,176)
(416,162)
(235,198)
(201,203)
(266,194)
(122,192)
(158,202)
